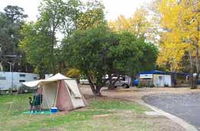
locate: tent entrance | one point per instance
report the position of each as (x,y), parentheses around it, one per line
(49,92)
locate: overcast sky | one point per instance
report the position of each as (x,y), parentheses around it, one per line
(114,8)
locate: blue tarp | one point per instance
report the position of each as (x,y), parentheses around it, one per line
(153,72)
(44,112)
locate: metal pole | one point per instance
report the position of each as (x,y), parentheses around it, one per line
(12,80)
(12,76)
(10,67)
(11,64)
(12,72)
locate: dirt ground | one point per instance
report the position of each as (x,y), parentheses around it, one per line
(160,123)
(134,94)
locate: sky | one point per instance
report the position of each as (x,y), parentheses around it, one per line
(113,8)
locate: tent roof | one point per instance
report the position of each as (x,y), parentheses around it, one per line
(56,77)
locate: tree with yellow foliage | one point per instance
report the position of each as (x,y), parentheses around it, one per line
(180,21)
(139,24)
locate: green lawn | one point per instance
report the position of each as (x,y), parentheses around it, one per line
(100,115)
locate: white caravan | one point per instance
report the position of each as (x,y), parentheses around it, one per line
(13,80)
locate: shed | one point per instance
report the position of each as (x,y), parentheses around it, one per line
(155,78)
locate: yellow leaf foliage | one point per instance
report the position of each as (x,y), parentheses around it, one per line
(137,24)
(180,21)
(73,73)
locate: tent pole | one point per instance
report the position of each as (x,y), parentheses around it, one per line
(55,101)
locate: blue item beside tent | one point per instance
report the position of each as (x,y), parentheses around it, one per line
(136,82)
(54,109)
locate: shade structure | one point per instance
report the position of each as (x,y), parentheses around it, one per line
(59,91)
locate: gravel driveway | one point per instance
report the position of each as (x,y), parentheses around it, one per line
(185,106)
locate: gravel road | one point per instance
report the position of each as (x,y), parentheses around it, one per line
(185,106)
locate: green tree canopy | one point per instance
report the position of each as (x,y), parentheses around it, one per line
(56,17)
(98,52)
(15,14)
(11,21)
(91,16)
(35,44)
(40,42)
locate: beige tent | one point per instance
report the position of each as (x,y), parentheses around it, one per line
(59,91)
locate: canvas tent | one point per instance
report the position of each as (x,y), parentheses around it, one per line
(59,91)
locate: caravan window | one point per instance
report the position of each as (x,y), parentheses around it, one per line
(160,77)
(22,75)
(22,81)
(2,78)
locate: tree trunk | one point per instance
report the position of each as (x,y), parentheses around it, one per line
(52,48)
(112,82)
(192,82)
(52,54)
(191,71)
(196,65)
(1,67)
(96,90)
(110,86)
(197,61)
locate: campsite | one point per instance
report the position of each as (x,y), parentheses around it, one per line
(60,103)
(102,113)
(99,65)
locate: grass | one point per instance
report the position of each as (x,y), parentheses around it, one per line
(117,105)
(101,114)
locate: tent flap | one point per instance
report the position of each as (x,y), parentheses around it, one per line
(72,84)
(32,83)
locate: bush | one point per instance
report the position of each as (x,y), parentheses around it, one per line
(74,73)
(140,85)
